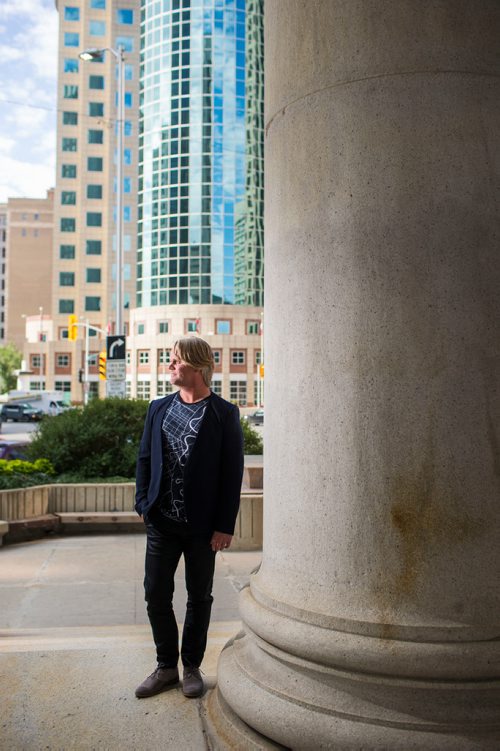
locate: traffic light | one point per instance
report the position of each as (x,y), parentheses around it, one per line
(102,366)
(72,328)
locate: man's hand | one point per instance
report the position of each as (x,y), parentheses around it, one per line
(220,541)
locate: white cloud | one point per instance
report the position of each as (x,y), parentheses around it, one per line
(28,70)
(20,178)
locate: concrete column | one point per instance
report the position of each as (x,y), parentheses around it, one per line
(374,621)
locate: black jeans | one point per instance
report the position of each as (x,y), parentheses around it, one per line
(163,552)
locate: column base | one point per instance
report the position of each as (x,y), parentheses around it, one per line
(302,704)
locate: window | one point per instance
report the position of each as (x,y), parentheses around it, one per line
(66,306)
(95,136)
(191,325)
(129,74)
(258,357)
(70,118)
(94,219)
(93,247)
(96,109)
(35,361)
(66,279)
(143,356)
(238,357)
(93,276)
(223,327)
(96,82)
(66,251)
(216,387)
(71,13)
(127,353)
(68,225)
(127,184)
(163,356)
(97,28)
(163,387)
(92,303)
(70,91)
(163,327)
(94,164)
(69,144)
(238,392)
(62,386)
(94,191)
(68,198)
(143,389)
(98,4)
(124,15)
(71,39)
(217,356)
(140,328)
(68,170)
(127,156)
(70,65)
(63,361)
(128,99)
(126,42)
(253,327)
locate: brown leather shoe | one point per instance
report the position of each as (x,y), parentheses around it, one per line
(158,681)
(192,683)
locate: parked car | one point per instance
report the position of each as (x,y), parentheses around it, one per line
(20,412)
(12,450)
(256,418)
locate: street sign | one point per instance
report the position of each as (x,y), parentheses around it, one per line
(116,367)
(116,388)
(116,370)
(115,347)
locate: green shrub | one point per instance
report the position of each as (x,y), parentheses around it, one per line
(21,474)
(100,440)
(252,442)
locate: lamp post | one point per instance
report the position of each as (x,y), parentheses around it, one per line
(40,336)
(97,54)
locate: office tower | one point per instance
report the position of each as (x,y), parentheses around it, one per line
(26,271)
(200,222)
(86,188)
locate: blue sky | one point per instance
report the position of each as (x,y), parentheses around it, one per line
(28,76)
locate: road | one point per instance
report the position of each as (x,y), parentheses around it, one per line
(17,431)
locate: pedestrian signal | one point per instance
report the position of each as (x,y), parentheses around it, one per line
(72,328)
(102,366)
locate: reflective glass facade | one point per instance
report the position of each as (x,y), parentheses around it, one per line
(201,153)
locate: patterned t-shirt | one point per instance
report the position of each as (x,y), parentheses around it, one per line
(179,430)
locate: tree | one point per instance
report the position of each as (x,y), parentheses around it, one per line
(100,440)
(10,360)
(252,442)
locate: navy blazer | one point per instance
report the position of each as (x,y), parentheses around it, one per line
(213,471)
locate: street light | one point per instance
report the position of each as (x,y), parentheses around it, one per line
(97,54)
(40,336)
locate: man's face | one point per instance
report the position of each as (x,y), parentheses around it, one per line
(181,374)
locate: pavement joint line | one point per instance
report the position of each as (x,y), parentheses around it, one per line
(96,637)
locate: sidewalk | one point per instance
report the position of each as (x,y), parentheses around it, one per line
(75,642)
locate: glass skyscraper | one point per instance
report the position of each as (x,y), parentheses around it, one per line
(200,219)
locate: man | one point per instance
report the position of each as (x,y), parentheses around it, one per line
(189,473)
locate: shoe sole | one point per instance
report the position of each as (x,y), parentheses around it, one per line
(193,695)
(165,687)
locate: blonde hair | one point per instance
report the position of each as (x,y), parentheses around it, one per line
(197,353)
